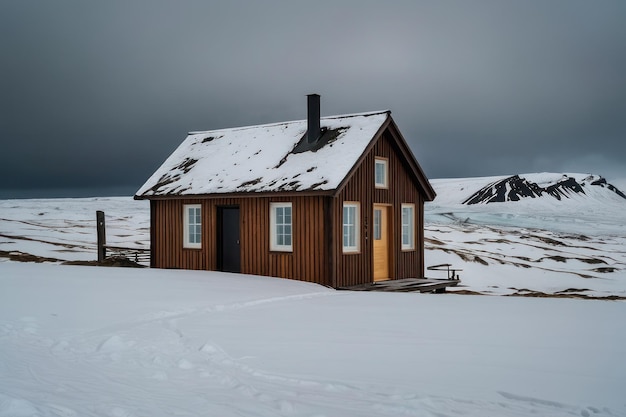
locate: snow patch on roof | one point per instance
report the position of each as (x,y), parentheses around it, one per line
(260,158)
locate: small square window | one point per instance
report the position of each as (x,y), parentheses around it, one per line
(380,173)
(192,226)
(280,227)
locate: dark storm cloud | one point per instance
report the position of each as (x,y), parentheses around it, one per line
(96,95)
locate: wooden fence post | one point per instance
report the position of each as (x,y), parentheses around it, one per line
(101,232)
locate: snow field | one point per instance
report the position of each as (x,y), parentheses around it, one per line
(65,229)
(536,245)
(87,341)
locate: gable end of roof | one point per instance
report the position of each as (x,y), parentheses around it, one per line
(406,154)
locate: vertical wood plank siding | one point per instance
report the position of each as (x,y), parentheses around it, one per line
(352,269)
(317,228)
(307,262)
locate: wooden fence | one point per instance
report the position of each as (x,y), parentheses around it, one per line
(138,255)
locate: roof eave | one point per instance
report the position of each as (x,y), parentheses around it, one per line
(246,194)
(429,191)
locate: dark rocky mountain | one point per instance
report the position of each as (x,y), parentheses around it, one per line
(515,188)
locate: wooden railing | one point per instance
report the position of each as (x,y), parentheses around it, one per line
(450,270)
(137,255)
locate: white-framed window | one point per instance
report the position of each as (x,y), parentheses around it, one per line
(281,229)
(351,220)
(380,173)
(408,226)
(192,226)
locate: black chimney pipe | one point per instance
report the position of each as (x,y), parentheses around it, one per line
(313,118)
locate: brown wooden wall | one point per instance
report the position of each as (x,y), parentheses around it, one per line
(317,228)
(307,262)
(352,269)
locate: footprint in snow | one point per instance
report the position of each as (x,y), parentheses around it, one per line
(114,343)
(60,346)
(160,376)
(284,406)
(208,348)
(10,406)
(185,364)
(120,412)
(30,325)
(589,411)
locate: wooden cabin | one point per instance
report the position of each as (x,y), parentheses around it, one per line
(336,200)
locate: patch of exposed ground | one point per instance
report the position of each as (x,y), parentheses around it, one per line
(48,242)
(569,293)
(539,294)
(538,251)
(117,261)
(18,256)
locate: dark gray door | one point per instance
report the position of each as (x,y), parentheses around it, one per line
(228,250)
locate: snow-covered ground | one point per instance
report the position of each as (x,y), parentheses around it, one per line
(65,228)
(576,245)
(572,246)
(89,341)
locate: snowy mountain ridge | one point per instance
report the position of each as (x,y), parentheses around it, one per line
(550,186)
(515,188)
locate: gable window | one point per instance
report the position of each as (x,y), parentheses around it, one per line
(408,226)
(351,227)
(380,173)
(281,227)
(192,226)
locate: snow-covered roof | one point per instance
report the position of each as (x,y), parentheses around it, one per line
(262,158)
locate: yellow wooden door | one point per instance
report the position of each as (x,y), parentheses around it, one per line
(381,243)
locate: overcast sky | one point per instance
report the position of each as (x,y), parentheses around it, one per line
(95,95)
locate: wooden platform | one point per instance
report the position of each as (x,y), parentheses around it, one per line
(406,285)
